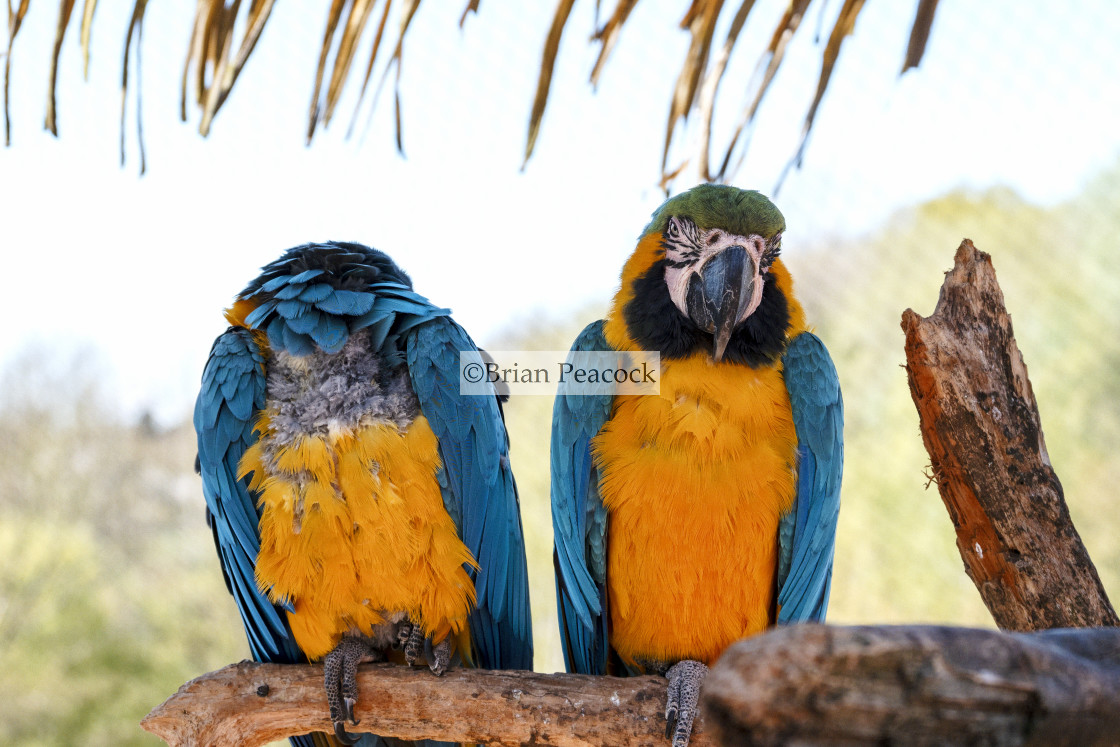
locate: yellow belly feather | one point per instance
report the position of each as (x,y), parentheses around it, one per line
(353,528)
(695,481)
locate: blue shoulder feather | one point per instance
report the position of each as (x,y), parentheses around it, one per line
(478,491)
(807,534)
(579,520)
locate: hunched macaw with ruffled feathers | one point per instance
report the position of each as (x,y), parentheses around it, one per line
(362,509)
(687,520)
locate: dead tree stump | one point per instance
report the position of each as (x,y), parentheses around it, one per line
(981,428)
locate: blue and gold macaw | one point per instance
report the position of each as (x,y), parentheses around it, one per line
(687,520)
(362,509)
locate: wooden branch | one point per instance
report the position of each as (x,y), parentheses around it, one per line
(252,704)
(982,430)
(915,685)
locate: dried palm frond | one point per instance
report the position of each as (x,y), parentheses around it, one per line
(15,19)
(64,12)
(135,26)
(215,59)
(845,23)
(548,61)
(919,34)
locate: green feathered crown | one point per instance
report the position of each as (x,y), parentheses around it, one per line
(740,211)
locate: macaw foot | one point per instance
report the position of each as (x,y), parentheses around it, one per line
(685,678)
(340,669)
(411,638)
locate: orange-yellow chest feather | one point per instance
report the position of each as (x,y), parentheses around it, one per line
(695,481)
(353,528)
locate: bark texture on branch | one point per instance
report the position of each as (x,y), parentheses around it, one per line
(227,707)
(982,430)
(916,685)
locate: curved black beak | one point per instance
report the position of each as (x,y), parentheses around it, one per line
(719,292)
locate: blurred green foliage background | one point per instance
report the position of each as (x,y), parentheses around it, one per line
(110,592)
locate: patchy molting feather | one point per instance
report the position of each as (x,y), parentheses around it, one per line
(354,533)
(337,393)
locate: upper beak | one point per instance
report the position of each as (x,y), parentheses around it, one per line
(719,292)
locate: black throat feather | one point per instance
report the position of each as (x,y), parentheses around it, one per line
(655,323)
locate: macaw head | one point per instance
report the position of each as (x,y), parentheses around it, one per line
(703,278)
(316,295)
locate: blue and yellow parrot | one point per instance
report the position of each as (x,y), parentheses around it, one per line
(362,509)
(687,520)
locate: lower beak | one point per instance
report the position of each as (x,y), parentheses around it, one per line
(719,293)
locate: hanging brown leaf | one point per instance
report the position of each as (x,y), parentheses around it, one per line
(608,35)
(333,17)
(88,9)
(227,69)
(135,27)
(398,55)
(355,23)
(701,22)
(772,60)
(369,67)
(548,62)
(919,34)
(845,24)
(259,12)
(710,87)
(223,42)
(194,52)
(15,18)
(65,8)
(472,7)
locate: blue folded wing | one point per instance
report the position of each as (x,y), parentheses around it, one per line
(807,534)
(233,391)
(478,491)
(579,520)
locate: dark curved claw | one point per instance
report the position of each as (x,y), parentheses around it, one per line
(348,704)
(340,669)
(344,736)
(441,657)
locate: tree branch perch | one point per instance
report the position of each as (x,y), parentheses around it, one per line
(252,704)
(806,684)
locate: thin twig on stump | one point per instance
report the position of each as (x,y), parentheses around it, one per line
(251,704)
(917,685)
(981,428)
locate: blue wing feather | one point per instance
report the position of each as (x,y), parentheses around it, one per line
(233,390)
(579,520)
(807,534)
(478,490)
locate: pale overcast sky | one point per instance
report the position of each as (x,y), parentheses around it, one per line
(1009,93)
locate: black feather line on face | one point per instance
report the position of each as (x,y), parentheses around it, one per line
(655,323)
(347,266)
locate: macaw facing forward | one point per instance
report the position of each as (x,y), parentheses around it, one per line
(687,520)
(359,504)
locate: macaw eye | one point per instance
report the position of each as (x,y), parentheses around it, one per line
(674,231)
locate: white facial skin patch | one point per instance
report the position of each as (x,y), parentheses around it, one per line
(688,249)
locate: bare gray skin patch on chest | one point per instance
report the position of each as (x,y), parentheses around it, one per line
(322,393)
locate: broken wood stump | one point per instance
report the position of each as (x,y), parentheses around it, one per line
(981,427)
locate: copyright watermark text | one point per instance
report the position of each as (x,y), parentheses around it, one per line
(548,372)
